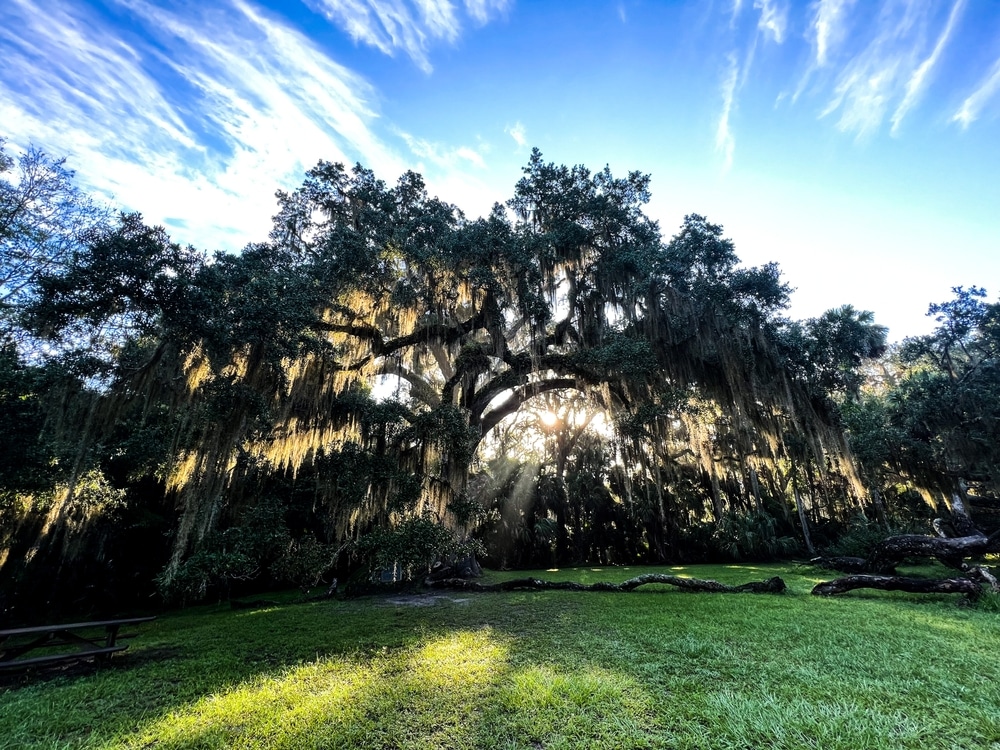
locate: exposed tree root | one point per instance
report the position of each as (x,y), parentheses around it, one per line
(771,586)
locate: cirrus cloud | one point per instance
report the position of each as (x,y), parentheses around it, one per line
(411,27)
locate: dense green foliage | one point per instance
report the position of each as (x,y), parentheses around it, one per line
(931,416)
(385,382)
(650,669)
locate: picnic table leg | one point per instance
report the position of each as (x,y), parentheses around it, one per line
(112,634)
(109,641)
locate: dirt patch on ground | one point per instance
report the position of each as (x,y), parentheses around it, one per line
(421,600)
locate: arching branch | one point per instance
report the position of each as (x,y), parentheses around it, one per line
(443,333)
(518,397)
(419,388)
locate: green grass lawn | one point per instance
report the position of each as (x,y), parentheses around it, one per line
(649,669)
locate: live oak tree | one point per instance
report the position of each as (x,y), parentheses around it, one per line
(379,336)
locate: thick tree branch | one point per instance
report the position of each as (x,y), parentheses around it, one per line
(443,363)
(419,388)
(442,333)
(518,396)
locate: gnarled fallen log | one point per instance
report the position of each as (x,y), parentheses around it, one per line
(966,586)
(877,571)
(773,585)
(892,551)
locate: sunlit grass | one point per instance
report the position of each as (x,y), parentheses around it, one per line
(530,670)
(340,702)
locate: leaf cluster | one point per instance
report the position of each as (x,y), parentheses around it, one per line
(414,545)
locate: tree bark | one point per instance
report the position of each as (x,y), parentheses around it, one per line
(959,515)
(802,518)
(897,583)
(460,569)
(951,552)
(773,585)
(716,495)
(879,506)
(889,553)
(755,489)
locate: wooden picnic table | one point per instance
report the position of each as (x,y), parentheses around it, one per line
(99,645)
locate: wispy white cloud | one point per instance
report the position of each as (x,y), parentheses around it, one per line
(734,13)
(442,156)
(725,142)
(828,26)
(772,23)
(439,17)
(862,94)
(890,66)
(235,105)
(410,26)
(470,155)
(390,25)
(919,78)
(773,19)
(458,174)
(518,133)
(484,11)
(973,104)
(55,58)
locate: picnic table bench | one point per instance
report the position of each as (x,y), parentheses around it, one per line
(96,640)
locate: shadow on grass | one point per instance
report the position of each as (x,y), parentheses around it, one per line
(460,689)
(71,670)
(521,670)
(362,673)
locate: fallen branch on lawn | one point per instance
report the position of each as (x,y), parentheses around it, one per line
(951,552)
(771,586)
(966,586)
(892,551)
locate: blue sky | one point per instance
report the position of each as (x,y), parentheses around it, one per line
(855,142)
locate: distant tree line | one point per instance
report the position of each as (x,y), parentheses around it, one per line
(385,384)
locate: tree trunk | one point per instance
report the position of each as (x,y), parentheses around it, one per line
(960,516)
(461,568)
(880,513)
(755,488)
(716,495)
(892,551)
(802,518)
